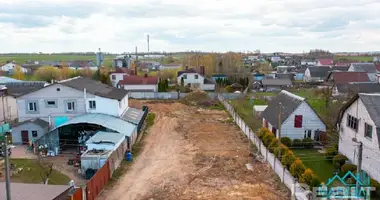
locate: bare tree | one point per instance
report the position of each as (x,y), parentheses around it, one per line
(47,170)
(325,93)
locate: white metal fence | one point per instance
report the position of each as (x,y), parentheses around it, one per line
(174,95)
(298,192)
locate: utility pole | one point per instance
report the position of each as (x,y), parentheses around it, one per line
(147,38)
(359,173)
(7,170)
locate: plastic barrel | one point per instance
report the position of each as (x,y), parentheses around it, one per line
(129,156)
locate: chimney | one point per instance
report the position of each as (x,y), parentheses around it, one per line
(202,70)
(187,67)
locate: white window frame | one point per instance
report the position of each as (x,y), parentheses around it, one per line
(34,106)
(92,104)
(72,106)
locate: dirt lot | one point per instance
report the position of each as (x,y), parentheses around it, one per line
(192,153)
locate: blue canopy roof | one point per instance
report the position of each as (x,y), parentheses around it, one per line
(107,121)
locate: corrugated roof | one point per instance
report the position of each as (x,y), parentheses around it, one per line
(320,72)
(289,103)
(23,191)
(358,87)
(275,82)
(133,115)
(108,137)
(107,121)
(37,121)
(95,87)
(347,77)
(364,67)
(20,88)
(4,80)
(372,104)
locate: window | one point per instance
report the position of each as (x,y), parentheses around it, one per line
(185,76)
(58,89)
(70,106)
(34,133)
(195,76)
(298,121)
(92,104)
(113,77)
(352,122)
(307,133)
(51,103)
(368,131)
(32,106)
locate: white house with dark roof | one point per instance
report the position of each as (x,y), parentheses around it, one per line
(71,98)
(298,119)
(195,80)
(359,120)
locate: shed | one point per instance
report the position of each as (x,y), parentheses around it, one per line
(25,131)
(93,159)
(105,141)
(135,117)
(257,110)
(29,191)
(276,84)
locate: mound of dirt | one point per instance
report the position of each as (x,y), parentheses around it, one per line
(198,98)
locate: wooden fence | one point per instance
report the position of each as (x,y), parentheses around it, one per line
(98,181)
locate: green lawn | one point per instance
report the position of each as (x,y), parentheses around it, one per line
(265,93)
(244,108)
(21,59)
(358,58)
(321,167)
(33,176)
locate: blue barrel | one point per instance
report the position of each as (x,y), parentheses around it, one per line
(128,156)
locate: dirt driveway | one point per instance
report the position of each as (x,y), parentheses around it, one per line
(192,153)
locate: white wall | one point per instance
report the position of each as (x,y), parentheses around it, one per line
(208,87)
(118,77)
(191,79)
(123,105)
(371,151)
(8,108)
(154,88)
(310,121)
(103,105)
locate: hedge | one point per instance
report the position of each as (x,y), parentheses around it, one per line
(286,141)
(330,153)
(297,143)
(339,160)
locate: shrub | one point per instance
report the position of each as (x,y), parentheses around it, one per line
(273,145)
(307,176)
(267,139)
(288,159)
(284,149)
(262,132)
(308,143)
(297,143)
(286,141)
(315,181)
(297,168)
(348,167)
(339,160)
(150,119)
(375,184)
(330,153)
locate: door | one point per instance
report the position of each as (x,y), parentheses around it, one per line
(25,137)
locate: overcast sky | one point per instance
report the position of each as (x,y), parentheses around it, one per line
(181,25)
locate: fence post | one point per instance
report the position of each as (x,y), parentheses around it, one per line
(84,192)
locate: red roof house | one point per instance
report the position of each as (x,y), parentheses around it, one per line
(339,77)
(325,62)
(139,83)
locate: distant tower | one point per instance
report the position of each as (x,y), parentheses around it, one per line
(147,38)
(99,58)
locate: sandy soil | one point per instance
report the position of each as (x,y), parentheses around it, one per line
(192,153)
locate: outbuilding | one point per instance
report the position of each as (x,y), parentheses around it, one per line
(22,135)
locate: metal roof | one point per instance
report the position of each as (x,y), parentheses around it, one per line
(106,137)
(133,115)
(23,191)
(107,121)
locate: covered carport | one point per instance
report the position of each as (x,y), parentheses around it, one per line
(78,130)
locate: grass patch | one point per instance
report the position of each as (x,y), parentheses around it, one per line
(150,120)
(265,93)
(357,58)
(321,167)
(244,109)
(33,175)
